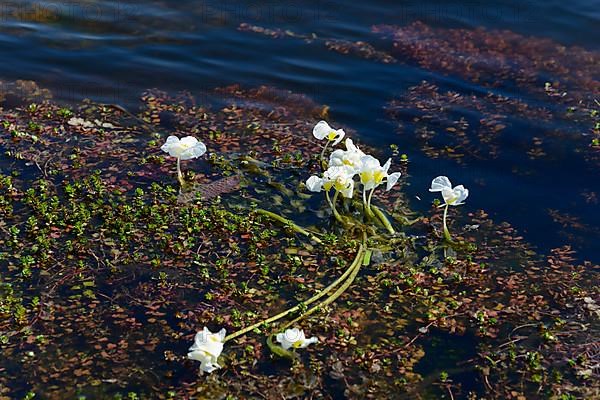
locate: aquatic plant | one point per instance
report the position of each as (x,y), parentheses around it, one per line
(295,339)
(339,175)
(124,273)
(322,130)
(372,174)
(343,166)
(207,348)
(186,148)
(453,196)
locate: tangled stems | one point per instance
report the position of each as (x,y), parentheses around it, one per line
(357,260)
(446,231)
(289,223)
(374,212)
(354,268)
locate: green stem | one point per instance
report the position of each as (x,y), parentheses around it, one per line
(369,200)
(384,220)
(316,297)
(333,209)
(323,162)
(289,223)
(366,204)
(446,231)
(362,258)
(179,173)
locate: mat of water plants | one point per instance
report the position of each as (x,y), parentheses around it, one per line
(108,269)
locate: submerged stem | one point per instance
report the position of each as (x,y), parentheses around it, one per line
(362,258)
(289,223)
(357,259)
(354,269)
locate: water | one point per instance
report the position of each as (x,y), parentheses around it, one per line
(111,51)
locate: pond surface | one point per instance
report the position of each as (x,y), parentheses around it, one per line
(502,98)
(112,51)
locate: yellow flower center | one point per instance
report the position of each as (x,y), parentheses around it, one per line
(332,135)
(341,183)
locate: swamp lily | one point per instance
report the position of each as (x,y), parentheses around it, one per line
(453,196)
(186,148)
(294,338)
(207,348)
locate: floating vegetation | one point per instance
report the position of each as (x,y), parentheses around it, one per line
(107,275)
(461,125)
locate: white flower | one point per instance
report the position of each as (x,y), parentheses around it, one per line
(372,174)
(185,148)
(452,196)
(337,177)
(322,130)
(351,157)
(294,338)
(74,121)
(206,348)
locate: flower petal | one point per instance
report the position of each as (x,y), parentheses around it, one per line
(193,152)
(440,183)
(461,194)
(171,140)
(310,341)
(339,136)
(188,141)
(321,130)
(387,165)
(392,179)
(348,192)
(314,184)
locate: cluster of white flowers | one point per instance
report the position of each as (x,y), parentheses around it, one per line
(340,172)
(344,165)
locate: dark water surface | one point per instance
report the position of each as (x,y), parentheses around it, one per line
(526,154)
(110,51)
